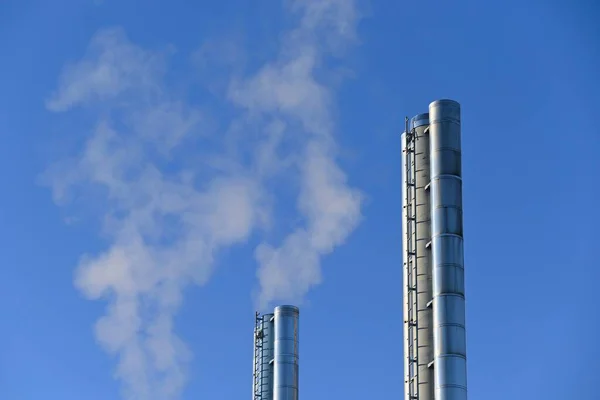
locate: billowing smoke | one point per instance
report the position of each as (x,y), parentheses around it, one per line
(167,212)
(288,89)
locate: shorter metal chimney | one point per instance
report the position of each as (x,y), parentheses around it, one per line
(275,375)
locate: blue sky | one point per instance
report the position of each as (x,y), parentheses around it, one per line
(169,167)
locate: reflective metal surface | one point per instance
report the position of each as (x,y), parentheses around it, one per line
(286,374)
(447,252)
(419,120)
(404,269)
(424,263)
(420,238)
(267,356)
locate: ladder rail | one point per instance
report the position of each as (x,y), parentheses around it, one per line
(258,356)
(412,375)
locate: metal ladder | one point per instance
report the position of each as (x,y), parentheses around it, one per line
(412,374)
(258,358)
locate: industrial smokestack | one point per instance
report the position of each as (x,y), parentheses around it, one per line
(450,354)
(264,346)
(418,339)
(275,375)
(286,353)
(433,270)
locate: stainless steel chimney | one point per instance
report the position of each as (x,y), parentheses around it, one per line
(433,268)
(264,347)
(450,354)
(418,332)
(275,375)
(285,385)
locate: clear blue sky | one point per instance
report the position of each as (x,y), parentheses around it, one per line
(112,100)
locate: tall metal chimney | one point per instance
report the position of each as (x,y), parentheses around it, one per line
(418,339)
(433,270)
(275,374)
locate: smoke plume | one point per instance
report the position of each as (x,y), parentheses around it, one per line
(167,210)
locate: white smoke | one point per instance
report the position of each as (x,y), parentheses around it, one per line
(287,88)
(166,220)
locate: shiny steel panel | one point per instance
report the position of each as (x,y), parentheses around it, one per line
(447,221)
(447,252)
(450,249)
(451,195)
(286,373)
